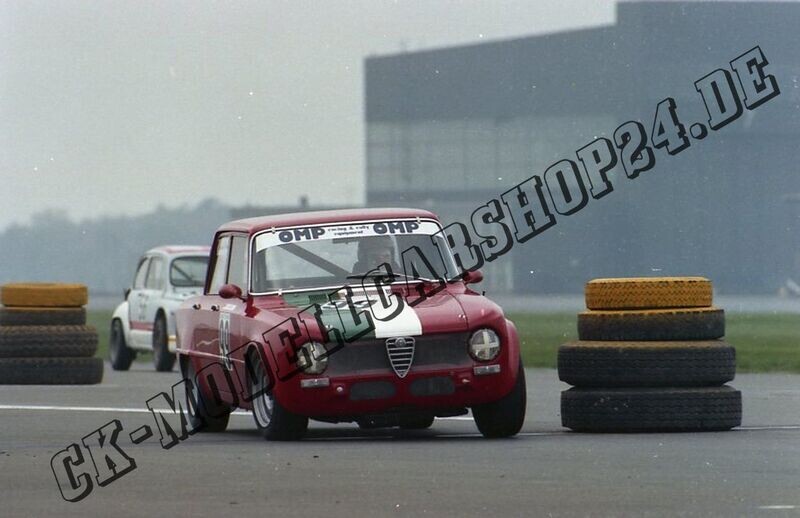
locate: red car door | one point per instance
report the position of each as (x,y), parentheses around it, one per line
(233,311)
(219,320)
(207,317)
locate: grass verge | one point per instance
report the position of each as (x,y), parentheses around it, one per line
(764,342)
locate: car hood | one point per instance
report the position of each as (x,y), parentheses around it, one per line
(441,313)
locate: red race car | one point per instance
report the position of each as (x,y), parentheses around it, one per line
(341,316)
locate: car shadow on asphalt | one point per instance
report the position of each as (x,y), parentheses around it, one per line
(380,434)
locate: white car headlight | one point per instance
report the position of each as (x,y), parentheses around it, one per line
(484,345)
(312,358)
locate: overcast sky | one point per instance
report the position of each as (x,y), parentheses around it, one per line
(115,107)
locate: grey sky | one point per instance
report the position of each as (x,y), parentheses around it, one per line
(116,106)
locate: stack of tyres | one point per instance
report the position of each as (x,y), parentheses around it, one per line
(650,357)
(44,339)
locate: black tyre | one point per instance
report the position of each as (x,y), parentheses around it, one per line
(120,355)
(42,316)
(416,422)
(654,324)
(273,421)
(651,410)
(51,371)
(206,412)
(163,360)
(47,341)
(504,417)
(646,364)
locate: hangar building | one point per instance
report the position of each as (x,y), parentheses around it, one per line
(449,129)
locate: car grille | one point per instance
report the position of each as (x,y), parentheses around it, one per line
(401,354)
(446,350)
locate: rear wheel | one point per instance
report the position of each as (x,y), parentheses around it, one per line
(162,358)
(120,354)
(205,413)
(273,421)
(504,417)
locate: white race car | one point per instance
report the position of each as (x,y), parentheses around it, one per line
(145,321)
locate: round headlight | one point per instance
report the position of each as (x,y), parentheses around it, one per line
(484,345)
(312,358)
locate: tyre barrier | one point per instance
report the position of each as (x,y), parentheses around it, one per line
(646,364)
(44,339)
(684,324)
(44,295)
(693,409)
(648,293)
(649,358)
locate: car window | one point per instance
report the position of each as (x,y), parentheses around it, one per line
(155,274)
(188,272)
(141,272)
(237,271)
(220,264)
(282,264)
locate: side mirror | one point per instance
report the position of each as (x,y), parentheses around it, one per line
(126,292)
(473,277)
(229,291)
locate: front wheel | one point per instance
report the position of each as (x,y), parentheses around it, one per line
(120,355)
(504,417)
(162,358)
(273,421)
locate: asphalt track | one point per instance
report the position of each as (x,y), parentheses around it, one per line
(448,470)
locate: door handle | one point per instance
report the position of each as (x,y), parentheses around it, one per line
(214,307)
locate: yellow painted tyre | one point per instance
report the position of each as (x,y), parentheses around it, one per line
(652,324)
(44,295)
(648,293)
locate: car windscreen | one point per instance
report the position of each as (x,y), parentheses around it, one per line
(335,255)
(188,272)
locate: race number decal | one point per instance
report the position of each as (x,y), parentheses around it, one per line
(225,339)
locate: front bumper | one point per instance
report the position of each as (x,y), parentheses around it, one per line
(433,388)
